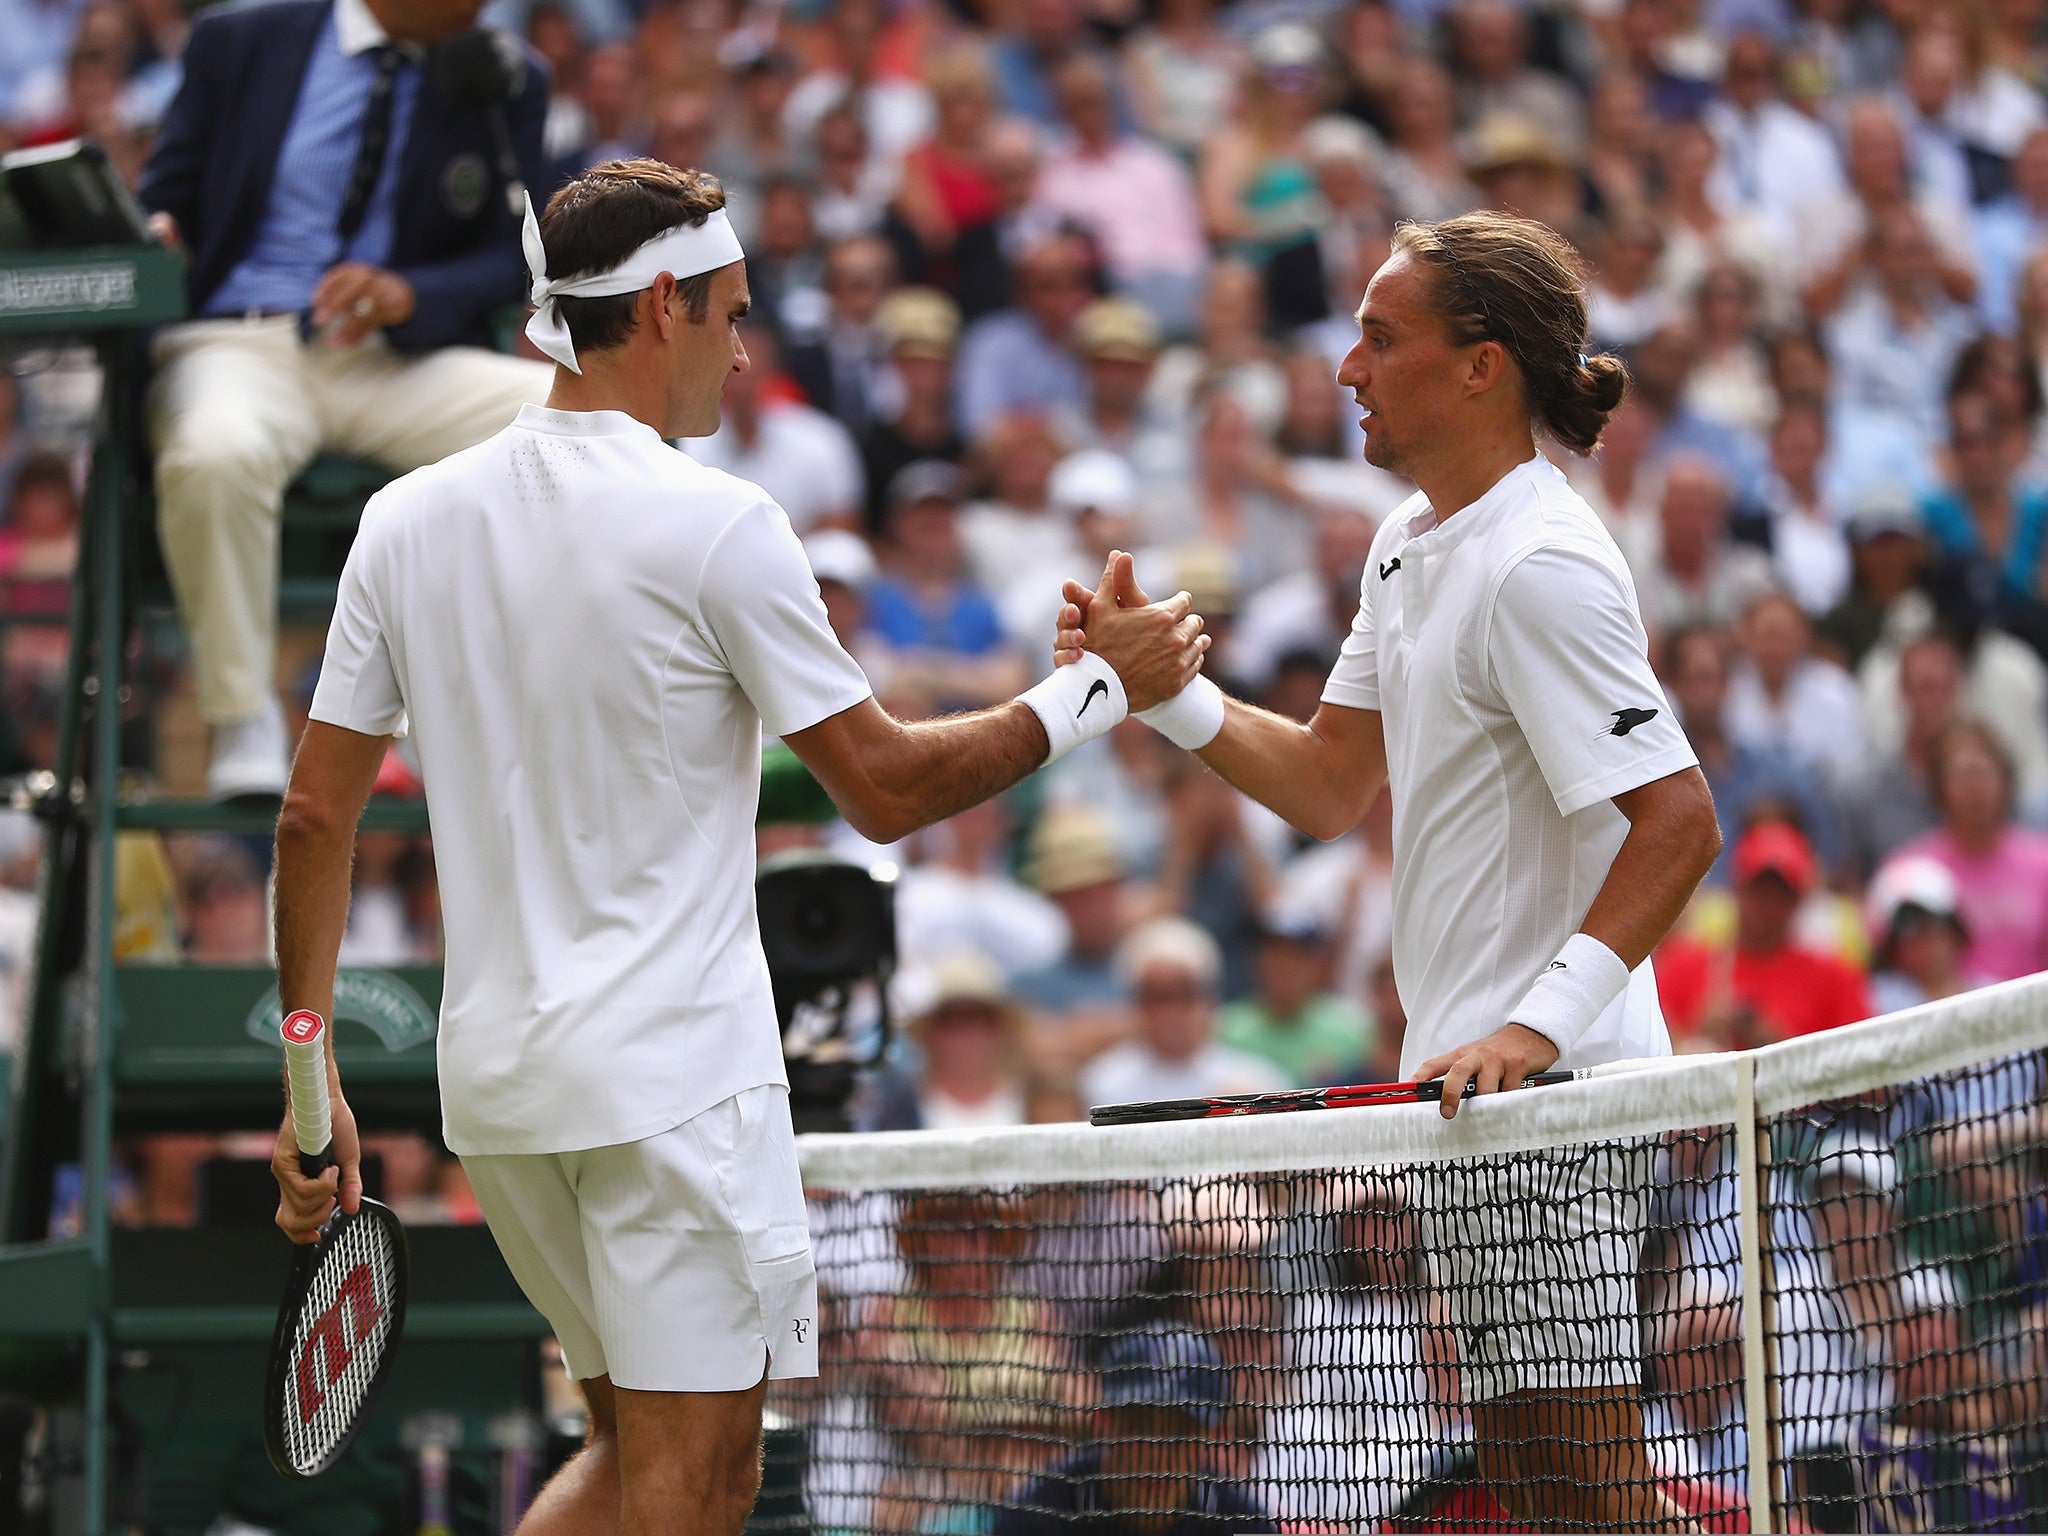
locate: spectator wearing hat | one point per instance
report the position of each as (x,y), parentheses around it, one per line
(1915,916)
(1170,970)
(915,421)
(1889,800)
(1022,358)
(943,636)
(1521,167)
(1765,986)
(2000,869)
(1073,858)
(970,1033)
(1888,560)
(1134,199)
(1154,1462)
(1119,341)
(793,451)
(1017,540)
(1092,497)
(1293,1019)
(1741,774)
(846,572)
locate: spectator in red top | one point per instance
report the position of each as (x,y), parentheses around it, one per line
(1765,987)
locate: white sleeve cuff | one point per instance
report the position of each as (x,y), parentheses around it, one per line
(1568,998)
(1077,703)
(1190,719)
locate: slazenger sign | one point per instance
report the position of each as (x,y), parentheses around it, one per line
(46,290)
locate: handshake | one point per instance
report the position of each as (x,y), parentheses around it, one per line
(1118,647)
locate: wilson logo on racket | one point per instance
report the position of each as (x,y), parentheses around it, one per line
(329,1338)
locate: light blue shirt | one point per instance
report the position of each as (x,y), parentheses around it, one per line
(2008,232)
(296,240)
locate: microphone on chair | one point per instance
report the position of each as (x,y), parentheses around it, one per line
(485,68)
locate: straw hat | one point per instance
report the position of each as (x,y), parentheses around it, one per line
(922,322)
(1071,847)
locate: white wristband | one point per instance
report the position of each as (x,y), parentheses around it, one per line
(1191,718)
(1077,703)
(1573,991)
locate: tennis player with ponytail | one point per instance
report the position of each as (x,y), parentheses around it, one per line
(1550,821)
(587,632)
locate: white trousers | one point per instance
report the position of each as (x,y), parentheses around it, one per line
(237,410)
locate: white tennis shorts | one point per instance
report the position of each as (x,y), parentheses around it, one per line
(681,1263)
(1534,1257)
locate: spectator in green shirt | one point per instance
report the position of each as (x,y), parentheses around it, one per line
(1292,1018)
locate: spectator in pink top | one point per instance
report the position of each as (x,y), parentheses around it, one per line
(1133,198)
(2001,869)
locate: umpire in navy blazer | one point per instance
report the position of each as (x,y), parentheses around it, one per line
(349,238)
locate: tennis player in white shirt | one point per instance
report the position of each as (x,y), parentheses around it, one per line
(587,632)
(1550,821)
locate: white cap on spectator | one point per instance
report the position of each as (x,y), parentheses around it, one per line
(1856,1154)
(1288,45)
(837,555)
(1912,881)
(1334,137)
(1170,941)
(1093,480)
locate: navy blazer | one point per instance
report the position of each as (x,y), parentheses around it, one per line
(452,238)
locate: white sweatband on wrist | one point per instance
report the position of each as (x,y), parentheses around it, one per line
(1191,718)
(1573,991)
(1077,703)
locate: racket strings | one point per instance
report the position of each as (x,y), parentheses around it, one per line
(340,1339)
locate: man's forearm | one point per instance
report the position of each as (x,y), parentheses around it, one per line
(1659,865)
(313,875)
(932,769)
(1294,770)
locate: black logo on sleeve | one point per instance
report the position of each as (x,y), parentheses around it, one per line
(1094,688)
(1387,568)
(1557,965)
(1626,720)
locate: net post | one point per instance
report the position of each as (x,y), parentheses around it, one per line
(1756,1413)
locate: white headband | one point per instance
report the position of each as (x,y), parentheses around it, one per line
(684,251)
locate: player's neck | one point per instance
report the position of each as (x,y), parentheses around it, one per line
(637,392)
(1470,467)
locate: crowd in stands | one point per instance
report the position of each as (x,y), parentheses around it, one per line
(1039,278)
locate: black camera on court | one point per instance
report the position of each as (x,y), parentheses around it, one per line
(828,928)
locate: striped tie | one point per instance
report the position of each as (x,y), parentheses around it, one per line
(362,177)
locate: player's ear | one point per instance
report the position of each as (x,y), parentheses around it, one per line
(664,301)
(1487,367)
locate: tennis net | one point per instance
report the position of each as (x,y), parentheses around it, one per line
(1567,1308)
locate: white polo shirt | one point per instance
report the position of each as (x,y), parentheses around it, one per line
(588,631)
(1511,670)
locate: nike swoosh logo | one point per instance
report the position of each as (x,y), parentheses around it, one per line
(1390,567)
(1626,720)
(1094,688)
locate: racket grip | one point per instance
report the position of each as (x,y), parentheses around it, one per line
(305,1068)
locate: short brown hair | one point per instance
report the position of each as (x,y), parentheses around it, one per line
(1520,283)
(595,222)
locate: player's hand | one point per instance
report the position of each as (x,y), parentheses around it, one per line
(1156,648)
(354,298)
(1494,1064)
(304,1204)
(165,228)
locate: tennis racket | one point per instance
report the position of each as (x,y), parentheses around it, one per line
(1351,1097)
(344,1303)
